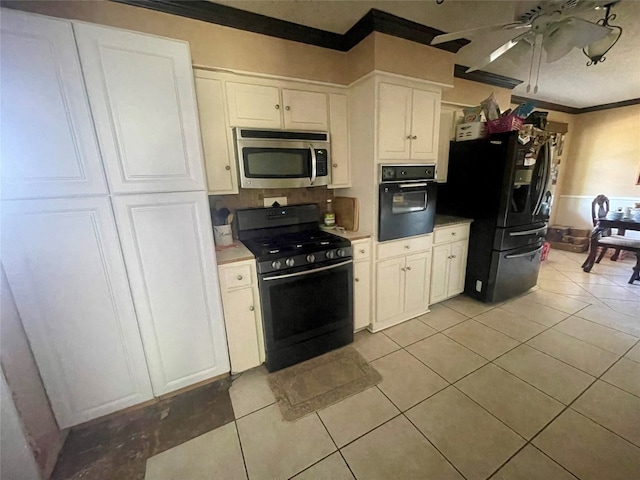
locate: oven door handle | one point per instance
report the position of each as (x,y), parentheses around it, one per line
(409,185)
(308,272)
(527,232)
(526,254)
(314,164)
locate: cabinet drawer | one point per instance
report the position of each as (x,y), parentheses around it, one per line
(404,246)
(451,234)
(237,276)
(361,250)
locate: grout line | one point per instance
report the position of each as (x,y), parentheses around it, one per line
(244,461)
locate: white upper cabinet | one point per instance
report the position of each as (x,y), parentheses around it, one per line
(339,135)
(304,110)
(408,123)
(450,115)
(48,145)
(254,105)
(143,101)
(65,268)
(217,139)
(264,106)
(168,248)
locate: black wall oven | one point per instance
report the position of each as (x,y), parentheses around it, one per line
(406,201)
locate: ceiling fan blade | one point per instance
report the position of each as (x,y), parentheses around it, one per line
(561,37)
(498,52)
(448,37)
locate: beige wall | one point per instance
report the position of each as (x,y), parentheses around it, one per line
(604,157)
(215,46)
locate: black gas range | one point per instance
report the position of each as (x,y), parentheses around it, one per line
(305,277)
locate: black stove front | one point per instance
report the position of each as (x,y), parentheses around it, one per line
(305,277)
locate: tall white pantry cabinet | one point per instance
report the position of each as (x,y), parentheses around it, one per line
(106,231)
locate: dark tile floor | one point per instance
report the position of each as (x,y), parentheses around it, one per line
(118,448)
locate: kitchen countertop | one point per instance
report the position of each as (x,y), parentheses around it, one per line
(448,220)
(233,253)
(348,234)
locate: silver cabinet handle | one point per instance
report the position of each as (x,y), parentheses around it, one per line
(408,137)
(407,247)
(239,277)
(251,309)
(403,269)
(335,165)
(414,137)
(357,279)
(408,268)
(287,108)
(453,234)
(362,251)
(227,167)
(277,107)
(453,256)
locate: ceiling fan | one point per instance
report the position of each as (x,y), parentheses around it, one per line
(552,25)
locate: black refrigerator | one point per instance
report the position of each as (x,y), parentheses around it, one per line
(499,182)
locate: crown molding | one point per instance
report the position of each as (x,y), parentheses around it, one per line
(574,110)
(460,71)
(373,21)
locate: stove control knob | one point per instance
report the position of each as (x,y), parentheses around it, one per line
(311,258)
(330,254)
(340,252)
(276,264)
(290,262)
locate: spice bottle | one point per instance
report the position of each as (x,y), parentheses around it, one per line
(329,216)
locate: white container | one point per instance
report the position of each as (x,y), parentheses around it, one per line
(222,235)
(470,131)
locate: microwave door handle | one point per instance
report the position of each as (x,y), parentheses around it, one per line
(314,164)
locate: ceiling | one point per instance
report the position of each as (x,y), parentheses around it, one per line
(567,82)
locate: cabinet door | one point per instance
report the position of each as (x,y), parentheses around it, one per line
(168,248)
(305,110)
(417,271)
(240,309)
(389,288)
(254,105)
(65,268)
(457,267)
(49,148)
(394,122)
(425,125)
(361,294)
(440,273)
(339,132)
(144,106)
(217,142)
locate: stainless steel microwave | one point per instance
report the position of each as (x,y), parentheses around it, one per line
(281,158)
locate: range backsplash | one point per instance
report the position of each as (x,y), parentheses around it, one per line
(248,198)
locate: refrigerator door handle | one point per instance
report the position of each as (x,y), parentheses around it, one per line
(528,232)
(526,254)
(545,180)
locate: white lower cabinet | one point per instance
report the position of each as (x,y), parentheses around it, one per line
(362,283)
(63,262)
(242,314)
(168,248)
(449,264)
(402,282)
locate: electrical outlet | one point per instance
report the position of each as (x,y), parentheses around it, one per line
(271,200)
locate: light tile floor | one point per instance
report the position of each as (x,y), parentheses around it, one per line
(545,386)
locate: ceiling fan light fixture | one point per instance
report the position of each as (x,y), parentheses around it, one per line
(597,50)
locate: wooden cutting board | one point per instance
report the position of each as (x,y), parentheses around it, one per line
(346,210)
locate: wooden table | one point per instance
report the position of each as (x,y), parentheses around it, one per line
(603,225)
